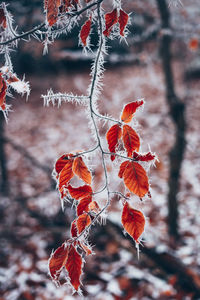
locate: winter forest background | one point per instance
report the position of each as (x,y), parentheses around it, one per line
(151,66)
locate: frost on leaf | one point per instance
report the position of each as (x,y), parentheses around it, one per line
(133,221)
(85,248)
(135,179)
(57,261)
(122,168)
(123,20)
(80,192)
(74,230)
(144,157)
(93,206)
(113,136)
(3,22)
(61,162)
(66,174)
(74,267)
(82,222)
(131,140)
(129,110)
(85,31)
(80,169)
(111,19)
(83,205)
(3,90)
(52,11)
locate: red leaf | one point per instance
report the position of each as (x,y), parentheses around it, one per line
(82,222)
(85,31)
(57,261)
(131,140)
(135,179)
(85,248)
(129,110)
(2,18)
(66,174)
(133,221)
(61,162)
(3,90)
(74,230)
(123,20)
(144,157)
(80,192)
(113,136)
(93,206)
(81,170)
(74,267)
(111,19)
(122,168)
(52,11)
(83,205)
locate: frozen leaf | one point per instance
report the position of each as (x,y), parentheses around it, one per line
(144,157)
(80,192)
(111,19)
(61,162)
(2,18)
(82,222)
(74,266)
(85,31)
(57,261)
(131,140)
(122,168)
(80,169)
(113,135)
(3,90)
(133,221)
(93,206)
(123,20)
(66,174)
(83,205)
(87,249)
(74,230)
(129,110)
(135,179)
(52,11)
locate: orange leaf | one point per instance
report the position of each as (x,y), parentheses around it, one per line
(3,90)
(74,267)
(82,222)
(81,170)
(2,18)
(57,261)
(61,162)
(52,11)
(80,192)
(113,135)
(135,179)
(133,221)
(143,157)
(129,110)
(122,168)
(131,140)
(111,19)
(123,20)
(74,230)
(83,205)
(93,206)
(85,31)
(66,174)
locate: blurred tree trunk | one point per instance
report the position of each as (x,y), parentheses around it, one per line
(176,108)
(3,168)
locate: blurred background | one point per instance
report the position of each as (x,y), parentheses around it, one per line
(161,63)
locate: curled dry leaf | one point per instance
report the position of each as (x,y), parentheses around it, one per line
(65,175)
(122,168)
(113,136)
(133,221)
(111,19)
(80,192)
(74,266)
(83,205)
(123,21)
(57,261)
(135,179)
(131,140)
(144,157)
(129,110)
(85,31)
(82,222)
(80,169)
